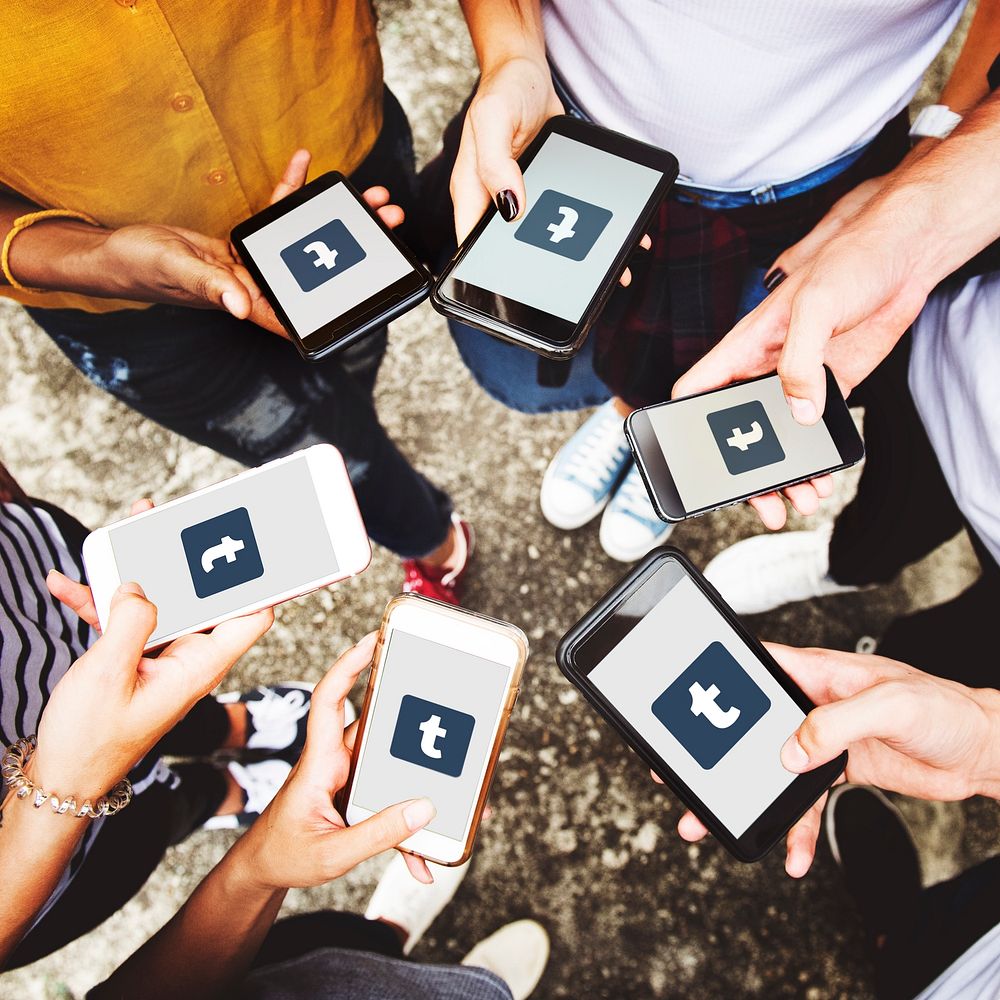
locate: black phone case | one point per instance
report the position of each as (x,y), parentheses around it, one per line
(591,622)
(514,335)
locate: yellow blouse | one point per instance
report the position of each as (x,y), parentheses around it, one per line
(182,112)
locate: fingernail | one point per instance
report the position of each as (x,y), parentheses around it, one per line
(773,278)
(418,813)
(803,410)
(229,301)
(131,587)
(507,205)
(793,757)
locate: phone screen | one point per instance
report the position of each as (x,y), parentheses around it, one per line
(582,205)
(739,441)
(692,689)
(325,257)
(228,548)
(430,729)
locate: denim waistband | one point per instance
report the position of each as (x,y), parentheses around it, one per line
(715,198)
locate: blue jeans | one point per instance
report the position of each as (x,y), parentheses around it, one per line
(510,374)
(244,392)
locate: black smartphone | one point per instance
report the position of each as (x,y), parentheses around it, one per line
(542,282)
(668,664)
(717,448)
(329,266)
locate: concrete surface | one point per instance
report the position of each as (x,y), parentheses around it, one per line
(580,838)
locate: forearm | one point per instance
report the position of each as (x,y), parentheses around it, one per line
(947,202)
(36,845)
(504,29)
(967,86)
(54,253)
(208,945)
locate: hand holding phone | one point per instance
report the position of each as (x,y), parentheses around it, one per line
(329,265)
(670,667)
(441,691)
(720,447)
(250,542)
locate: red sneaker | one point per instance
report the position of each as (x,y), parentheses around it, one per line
(442,582)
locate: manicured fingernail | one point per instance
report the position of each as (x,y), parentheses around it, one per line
(773,278)
(229,302)
(803,410)
(793,757)
(507,205)
(418,813)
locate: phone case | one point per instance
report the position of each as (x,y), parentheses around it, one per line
(592,621)
(493,624)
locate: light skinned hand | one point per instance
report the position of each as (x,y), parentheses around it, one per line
(114,704)
(160,263)
(905,731)
(511,104)
(301,839)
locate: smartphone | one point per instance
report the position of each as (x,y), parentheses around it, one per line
(330,268)
(542,282)
(698,698)
(717,448)
(250,542)
(442,687)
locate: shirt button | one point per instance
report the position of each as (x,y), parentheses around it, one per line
(215,177)
(182,102)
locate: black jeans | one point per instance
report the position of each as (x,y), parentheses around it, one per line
(131,844)
(227,384)
(296,936)
(948,919)
(903,510)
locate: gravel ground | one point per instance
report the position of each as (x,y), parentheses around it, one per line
(579,839)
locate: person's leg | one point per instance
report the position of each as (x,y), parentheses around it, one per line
(947,920)
(295,936)
(127,849)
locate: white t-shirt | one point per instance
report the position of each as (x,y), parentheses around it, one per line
(955,382)
(746,92)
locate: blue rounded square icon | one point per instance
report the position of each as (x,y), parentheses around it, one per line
(563,224)
(432,735)
(711,706)
(222,552)
(745,437)
(322,255)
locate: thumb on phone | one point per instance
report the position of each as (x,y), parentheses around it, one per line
(386,829)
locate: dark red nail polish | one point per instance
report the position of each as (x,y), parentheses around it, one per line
(774,278)
(507,205)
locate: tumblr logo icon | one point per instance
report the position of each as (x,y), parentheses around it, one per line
(432,735)
(564,225)
(711,706)
(222,552)
(322,255)
(745,437)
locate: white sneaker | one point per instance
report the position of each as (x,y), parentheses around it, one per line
(767,571)
(407,903)
(579,480)
(630,527)
(517,953)
(260,782)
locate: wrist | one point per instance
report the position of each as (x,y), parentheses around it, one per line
(83,780)
(59,255)
(988,779)
(245,871)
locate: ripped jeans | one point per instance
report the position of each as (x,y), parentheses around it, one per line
(246,393)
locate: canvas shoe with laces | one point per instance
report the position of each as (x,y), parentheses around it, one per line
(442,583)
(518,953)
(276,716)
(260,782)
(585,471)
(630,526)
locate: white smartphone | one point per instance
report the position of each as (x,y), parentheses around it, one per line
(442,687)
(265,536)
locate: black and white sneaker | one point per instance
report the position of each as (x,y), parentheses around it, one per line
(260,782)
(872,844)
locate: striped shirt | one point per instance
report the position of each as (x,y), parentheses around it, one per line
(40,638)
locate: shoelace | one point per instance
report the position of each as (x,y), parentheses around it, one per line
(260,782)
(277,715)
(590,463)
(632,499)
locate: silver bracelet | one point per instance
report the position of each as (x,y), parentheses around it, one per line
(12,765)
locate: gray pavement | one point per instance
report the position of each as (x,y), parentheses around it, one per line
(579,839)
